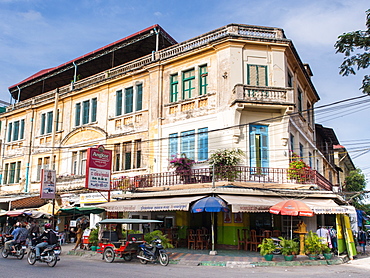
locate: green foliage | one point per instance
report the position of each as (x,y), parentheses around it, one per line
(267,246)
(298,169)
(325,249)
(93,237)
(182,165)
(289,246)
(149,237)
(312,243)
(350,44)
(355,182)
(224,161)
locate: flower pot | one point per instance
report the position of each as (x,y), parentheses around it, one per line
(328,256)
(94,248)
(312,256)
(269,257)
(288,257)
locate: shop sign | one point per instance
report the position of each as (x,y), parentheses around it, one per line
(98,168)
(90,198)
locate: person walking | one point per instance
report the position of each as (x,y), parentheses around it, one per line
(79,234)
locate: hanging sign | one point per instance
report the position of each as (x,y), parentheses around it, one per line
(98,168)
(48,185)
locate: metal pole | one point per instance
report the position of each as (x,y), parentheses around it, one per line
(213,230)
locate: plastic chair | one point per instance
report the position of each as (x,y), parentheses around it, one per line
(267,233)
(276,233)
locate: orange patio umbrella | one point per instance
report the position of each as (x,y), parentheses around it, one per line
(292,208)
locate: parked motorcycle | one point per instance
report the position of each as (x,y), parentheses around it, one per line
(20,251)
(50,255)
(277,251)
(153,252)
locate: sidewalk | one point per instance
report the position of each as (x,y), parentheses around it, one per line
(225,258)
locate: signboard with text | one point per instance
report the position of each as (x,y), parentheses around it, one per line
(98,168)
(48,184)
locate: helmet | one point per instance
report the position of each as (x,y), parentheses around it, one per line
(47,226)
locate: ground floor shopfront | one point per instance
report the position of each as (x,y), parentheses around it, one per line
(247,212)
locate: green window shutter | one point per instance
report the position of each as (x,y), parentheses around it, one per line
(188,79)
(49,125)
(203,74)
(43,123)
(18,172)
(10,130)
(57,121)
(12,172)
(119,103)
(174,84)
(6,173)
(203,144)
(16,131)
(21,134)
(129,100)
(78,114)
(257,75)
(300,101)
(94,108)
(85,112)
(139,97)
(127,160)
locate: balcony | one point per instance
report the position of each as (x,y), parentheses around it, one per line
(263,95)
(237,176)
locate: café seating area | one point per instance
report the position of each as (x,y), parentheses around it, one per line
(198,238)
(249,240)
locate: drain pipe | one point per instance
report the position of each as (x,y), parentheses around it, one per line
(27,181)
(19,93)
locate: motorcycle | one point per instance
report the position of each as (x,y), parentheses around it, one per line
(153,252)
(20,251)
(276,241)
(49,254)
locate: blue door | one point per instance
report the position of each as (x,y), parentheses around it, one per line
(258,146)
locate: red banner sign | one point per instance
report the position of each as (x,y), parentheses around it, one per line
(98,168)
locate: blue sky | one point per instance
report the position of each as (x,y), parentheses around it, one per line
(39,34)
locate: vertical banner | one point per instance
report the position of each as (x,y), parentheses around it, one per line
(98,168)
(48,184)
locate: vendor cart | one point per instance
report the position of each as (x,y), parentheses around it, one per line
(112,243)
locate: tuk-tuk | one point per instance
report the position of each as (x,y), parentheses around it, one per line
(114,243)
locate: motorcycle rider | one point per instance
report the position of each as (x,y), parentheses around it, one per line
(48,237)
(13,235)
(21,236)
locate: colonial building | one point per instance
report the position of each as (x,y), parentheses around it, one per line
(150,99)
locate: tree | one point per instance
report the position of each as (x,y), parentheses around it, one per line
(355,183)
(356,48)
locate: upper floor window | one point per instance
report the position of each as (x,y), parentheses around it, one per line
(309,115)
(79,162)
(257,75)
(86,112)
(300,150)
(127,155)
(187,144)
(291,142)
(290,79)
(203,80)
(130,100)
(174,87)
(15,130)
(300,99)
(46,123)
(310,163)
(188,84)
(12,172)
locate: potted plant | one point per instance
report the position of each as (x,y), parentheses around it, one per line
(266,248)
(93,239)
(182,166)
(326,251)
(224,162)
(313,245)
(290,247)
(298,169)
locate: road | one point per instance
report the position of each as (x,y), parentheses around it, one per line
(80,267)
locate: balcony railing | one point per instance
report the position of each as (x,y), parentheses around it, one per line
(263,94)
(236,30)
(238,174)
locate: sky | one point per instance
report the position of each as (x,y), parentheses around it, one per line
(39,34)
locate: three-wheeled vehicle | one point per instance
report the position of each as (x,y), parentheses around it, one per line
(113,243)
